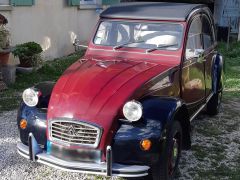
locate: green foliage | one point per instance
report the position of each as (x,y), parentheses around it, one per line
(29,52)
(27,49)
(50,71)
(4,37)
(231,68)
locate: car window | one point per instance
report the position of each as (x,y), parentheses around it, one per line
(102,35)
(194,38)
(208,39)
(139,35)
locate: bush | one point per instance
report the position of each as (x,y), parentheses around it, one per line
(27,49)
(28,53)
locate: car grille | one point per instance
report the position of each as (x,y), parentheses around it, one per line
(75,133)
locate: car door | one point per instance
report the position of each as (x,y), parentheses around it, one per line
(193,77)
(209,45)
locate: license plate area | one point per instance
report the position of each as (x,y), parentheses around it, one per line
(77,155)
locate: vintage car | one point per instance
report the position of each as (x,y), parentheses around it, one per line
(125,108)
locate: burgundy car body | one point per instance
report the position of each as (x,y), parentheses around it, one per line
(94,90)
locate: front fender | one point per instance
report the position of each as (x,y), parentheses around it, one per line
(36,123)
(36,117)
(158,114)
(161,109)
(46,90)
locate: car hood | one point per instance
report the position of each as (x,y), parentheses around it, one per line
(95,90)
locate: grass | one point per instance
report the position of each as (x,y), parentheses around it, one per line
(50,71)
(231,69)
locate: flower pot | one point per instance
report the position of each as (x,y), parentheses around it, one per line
(4,57)
(25,62)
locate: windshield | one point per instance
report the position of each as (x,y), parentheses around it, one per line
(139,35)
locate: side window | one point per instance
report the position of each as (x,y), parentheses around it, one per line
(102,36)
(194,38)
(208,39)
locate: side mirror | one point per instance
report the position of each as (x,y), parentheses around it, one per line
(77,45)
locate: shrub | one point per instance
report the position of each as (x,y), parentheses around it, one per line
(28,53)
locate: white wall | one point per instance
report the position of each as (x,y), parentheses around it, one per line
(52,24)
(4,2)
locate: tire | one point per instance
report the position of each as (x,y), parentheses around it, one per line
(213,104)
(170,153)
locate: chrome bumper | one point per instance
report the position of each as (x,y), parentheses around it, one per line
(35,153)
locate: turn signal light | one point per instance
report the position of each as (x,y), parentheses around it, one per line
(145,144)
(23,123)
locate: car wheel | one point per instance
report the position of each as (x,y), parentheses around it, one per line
(214,103)
(169,156)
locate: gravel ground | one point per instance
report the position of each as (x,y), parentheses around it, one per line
(215,152)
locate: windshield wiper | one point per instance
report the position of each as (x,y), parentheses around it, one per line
(160,47)
(124,44)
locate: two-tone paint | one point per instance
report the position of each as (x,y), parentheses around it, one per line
(95,88)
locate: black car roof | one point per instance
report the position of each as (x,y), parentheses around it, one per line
(151,11)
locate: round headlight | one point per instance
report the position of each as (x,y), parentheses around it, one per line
(30,97)
(132,110)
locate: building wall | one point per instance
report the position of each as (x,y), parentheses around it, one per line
(53,24)
(227,12)
(4,1)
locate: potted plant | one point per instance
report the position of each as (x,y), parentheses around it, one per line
(29,54)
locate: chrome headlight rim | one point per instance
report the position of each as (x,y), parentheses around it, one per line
(132,105)
(30,97)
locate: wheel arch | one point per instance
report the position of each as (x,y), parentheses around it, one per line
(182,116)
(169,110)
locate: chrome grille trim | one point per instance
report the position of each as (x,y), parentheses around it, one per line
(74,133)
